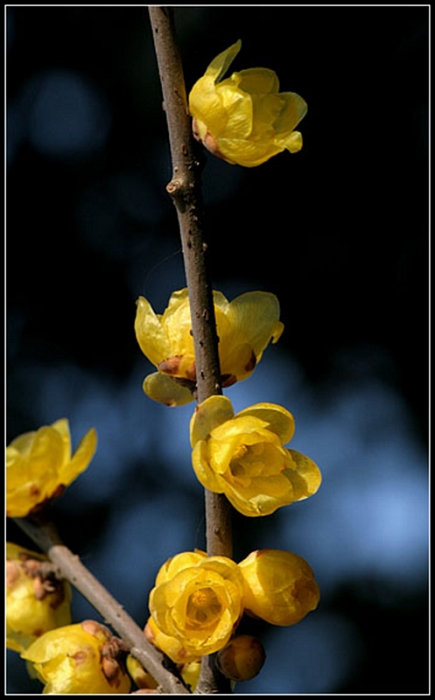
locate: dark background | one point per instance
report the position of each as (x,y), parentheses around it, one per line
(339,232)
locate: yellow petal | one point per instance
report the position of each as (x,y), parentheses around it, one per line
(255,316)
(257,81)
(294,109)
(294,142)
(176,320)
(279,420)
(306,478)
(204,473)
(219,66)
(177,563)
(208,415)
(166,390)
(81,458)
(150,333)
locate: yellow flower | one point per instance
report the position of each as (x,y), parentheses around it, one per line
(243,456)
(245,327)
(39,466)
(244,119)
(35,602)
(79,659)
(197,602)
(279,586)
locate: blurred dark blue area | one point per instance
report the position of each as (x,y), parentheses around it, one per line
(338,231)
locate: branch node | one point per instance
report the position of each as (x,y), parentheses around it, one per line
(174,187)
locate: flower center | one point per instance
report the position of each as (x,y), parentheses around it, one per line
(203,607)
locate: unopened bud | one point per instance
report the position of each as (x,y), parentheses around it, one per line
(242,658)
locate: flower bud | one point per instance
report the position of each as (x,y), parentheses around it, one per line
(279,586)
(36,602)
(79,659)
(242,658)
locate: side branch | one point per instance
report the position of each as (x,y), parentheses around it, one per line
(71,568)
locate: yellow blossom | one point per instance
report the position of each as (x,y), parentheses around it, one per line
(245,326)
(197,605)
(279,586)
(243,456)
(79,659)
(244,119)
(35,601)
(39,466)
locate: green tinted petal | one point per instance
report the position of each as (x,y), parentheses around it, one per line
(164,389)
(294,109)
(81,458)
(306,478)
(292,143)
(219,65)
(208,415)
(257,81)
(279,420)
(62,427)
(150,334)
(204,473)
(254,317)
(247,153)
(238,111)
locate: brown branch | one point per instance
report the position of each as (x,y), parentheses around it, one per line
(71,568)
(186,194)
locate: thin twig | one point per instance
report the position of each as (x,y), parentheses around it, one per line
(71,568)
(186,193)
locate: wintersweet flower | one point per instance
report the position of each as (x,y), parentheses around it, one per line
(244,119)
(243,456)
(39,466)
(35,601)
(79,659)
(245,326)
(198,602)
(279,586)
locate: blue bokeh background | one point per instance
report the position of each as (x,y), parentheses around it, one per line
(338,232)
